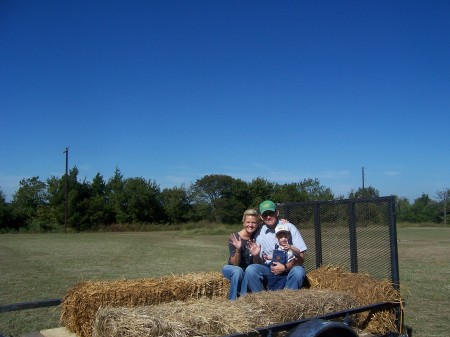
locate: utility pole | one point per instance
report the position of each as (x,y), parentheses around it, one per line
(66,176)
(363,194)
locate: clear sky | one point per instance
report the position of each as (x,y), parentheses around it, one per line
(174,90)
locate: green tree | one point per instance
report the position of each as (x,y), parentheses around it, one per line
(100,210)
(77,206)
(368,192)
(176,205)
(142,201)
(314,190)
(116,186)
(260,190)
(220,198)
(2,209)
(425,209)
(443,198)
(404,212)
(92,206)
(306,190)
(78,200)
(76,193)
(289,193)
(30,198)
(55,190)
(5,214)
(239,200)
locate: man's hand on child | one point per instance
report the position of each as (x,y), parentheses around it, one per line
(277,268)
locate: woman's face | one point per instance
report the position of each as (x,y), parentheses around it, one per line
(250,223)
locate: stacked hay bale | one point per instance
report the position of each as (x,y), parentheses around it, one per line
(366,290)
(199,306)
(216,317)
(82,301)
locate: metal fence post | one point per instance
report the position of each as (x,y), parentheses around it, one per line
(318,235)
(352,235)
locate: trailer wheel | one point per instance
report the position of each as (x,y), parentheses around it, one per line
(322,328)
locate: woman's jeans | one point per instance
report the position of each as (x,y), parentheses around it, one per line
(256,275)
(235,274)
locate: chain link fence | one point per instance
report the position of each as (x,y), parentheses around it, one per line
(357,235)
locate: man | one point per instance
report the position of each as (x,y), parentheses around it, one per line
(256,275)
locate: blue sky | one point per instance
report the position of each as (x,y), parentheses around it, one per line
(174,90)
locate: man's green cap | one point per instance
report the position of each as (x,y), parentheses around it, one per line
(267,205)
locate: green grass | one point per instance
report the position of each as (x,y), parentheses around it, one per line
(44,266)
(423,224)
(425,279)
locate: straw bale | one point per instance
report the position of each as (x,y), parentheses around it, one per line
(366,290)
(83,300)
(216,317)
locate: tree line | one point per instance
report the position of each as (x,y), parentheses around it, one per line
(61,202)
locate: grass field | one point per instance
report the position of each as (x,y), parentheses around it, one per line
(44,266)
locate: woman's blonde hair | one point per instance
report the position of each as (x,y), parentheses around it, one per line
(250,212)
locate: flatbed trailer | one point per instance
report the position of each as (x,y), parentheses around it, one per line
(358,235)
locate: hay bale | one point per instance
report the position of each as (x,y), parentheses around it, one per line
(216,317)
(366,290)
(83,300)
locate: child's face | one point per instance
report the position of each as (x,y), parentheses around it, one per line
(282,237)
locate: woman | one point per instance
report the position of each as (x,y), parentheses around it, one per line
(240,256)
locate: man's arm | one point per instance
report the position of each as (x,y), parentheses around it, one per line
(297,239)
(295,250)
(299,259)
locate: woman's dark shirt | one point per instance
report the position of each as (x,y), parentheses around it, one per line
(246,258)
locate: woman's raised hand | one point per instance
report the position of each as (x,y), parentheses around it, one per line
(235,241)
(253,247)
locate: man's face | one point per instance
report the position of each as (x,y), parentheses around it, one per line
(270,218)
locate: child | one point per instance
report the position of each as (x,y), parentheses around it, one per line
(283,253)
